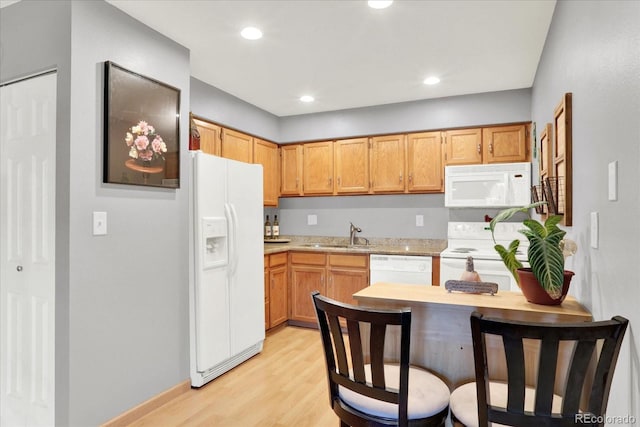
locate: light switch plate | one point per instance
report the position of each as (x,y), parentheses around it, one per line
(312,219)
(99,223)
(594,230)
(419,220)
(613,180)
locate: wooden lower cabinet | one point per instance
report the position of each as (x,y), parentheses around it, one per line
(338,276)
(266,292)
(308,272)
(276,290)
(347,275)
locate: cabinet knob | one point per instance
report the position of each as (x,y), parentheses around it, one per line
(491,148)
(19,268)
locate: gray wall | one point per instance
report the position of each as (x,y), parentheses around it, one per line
(216,105)
(129,331)
(47,39)
(378,216)
(431,114)
(593,51)
(392,215)
(122,331)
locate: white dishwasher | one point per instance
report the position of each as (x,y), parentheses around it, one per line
(408,269)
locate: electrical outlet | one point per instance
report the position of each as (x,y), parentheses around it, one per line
(312,219)
(419,220)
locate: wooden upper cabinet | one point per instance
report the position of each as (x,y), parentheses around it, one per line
(317,168)
(209,137)
(237,146)
(463,146)
(291,170)
(387,157)
(351,157)
(504,144)
(424,162)
(266,154)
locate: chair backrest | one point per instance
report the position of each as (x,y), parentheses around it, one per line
(590,369)
(347,354)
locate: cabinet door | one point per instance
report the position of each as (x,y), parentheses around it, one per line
(237,146)
(209,137)
(267,307)
(278,296)
(351,158)
(388,163)
(304,280)
(317,168)
(424,162)
(504,144)
(463,147)
(343,283)
(266,154)
(291,170)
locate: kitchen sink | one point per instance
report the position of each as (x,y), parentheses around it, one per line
(333,245)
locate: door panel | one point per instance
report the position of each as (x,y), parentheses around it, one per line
(317,168)
(27,251)
(388,163)
(425,162)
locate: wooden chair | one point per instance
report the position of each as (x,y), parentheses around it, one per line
(593,347)
(366,390)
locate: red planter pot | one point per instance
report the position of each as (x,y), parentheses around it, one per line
(534,293)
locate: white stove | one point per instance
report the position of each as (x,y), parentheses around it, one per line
(474,239)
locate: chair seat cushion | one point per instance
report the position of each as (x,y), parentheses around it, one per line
(464,401)
(428,394)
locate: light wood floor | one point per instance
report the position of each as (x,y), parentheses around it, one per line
(284,386)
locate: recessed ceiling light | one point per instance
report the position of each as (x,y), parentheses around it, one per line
(380,4)
(251,33)
(431,80)
(307,98)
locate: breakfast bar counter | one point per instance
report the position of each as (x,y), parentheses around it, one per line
(440,326)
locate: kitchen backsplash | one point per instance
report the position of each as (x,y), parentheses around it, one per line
(379,216)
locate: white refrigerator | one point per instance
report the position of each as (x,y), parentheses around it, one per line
(226,289)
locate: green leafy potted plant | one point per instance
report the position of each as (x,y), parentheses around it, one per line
(546,282)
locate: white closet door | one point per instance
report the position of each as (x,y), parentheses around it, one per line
(27,251)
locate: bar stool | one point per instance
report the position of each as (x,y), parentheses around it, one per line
(512,402)
(375,392)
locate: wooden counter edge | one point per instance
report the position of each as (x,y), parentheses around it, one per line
(414,294)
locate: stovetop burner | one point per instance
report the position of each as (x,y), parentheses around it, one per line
(475,239)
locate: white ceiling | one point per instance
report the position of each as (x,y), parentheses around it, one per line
(348,55)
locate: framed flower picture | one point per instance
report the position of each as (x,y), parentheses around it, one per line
(141,129)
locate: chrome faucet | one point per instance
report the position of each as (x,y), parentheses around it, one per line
(352,234)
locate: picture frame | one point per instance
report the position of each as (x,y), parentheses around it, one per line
(141,129)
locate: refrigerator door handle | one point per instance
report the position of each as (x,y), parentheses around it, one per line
(232,217)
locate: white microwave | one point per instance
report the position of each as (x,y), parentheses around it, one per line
(495,185)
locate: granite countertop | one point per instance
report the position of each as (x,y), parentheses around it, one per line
(427,247)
